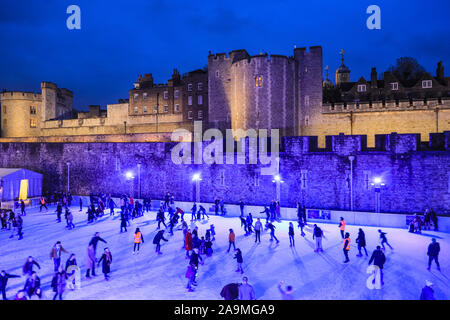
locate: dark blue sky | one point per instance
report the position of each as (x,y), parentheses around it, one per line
(119,40)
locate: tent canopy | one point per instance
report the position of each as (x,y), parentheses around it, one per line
(17,182)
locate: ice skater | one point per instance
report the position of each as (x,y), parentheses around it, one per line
(433,253)
(239,260)
(4,281)
(190,275)
(160,218)
(55,254)
(285,294)
(272,232)
(188,243)
(231,240)
(346,247)
(361,241)
(94,241)
(203,213)
(27,268)
(90,261)
(157,240)
(194,212)
(378,258)
(384,240)
(213,232)
(291,235)
(59,283)
(258,229)
(106,260)
(342,224)
(138,239)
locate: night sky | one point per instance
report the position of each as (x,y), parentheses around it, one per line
(119,40)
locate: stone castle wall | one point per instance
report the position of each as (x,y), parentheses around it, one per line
(416,175)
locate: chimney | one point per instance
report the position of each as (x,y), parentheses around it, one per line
(440,71)
(373,78)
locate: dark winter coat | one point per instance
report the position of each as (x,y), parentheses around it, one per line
(106,262)
(31,285)
(55,254)
(361,240)
(433,249)
(238,257)
(427,293)
(195,242)
(4,280)
(95,241)
(291,231)
(158,237)
(28,267)
(59,282)
(317,232)
(230,291)
(378,258)
(195,258)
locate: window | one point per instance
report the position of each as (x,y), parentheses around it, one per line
(190,100)
(32,110)
(217,74)
(136,110)
(189,114)
(200,86)
(394,86)
(177,108)
(307,101)
(144,109)
(189,87)
(427,84)
(258,81)
(200,100)
(304,179)
(166,109)
(177,94)
(166,95)
(4,109)
(361,88)
(136,96)
(306,120)
(33,123)
(155,109)
(144,96)
(200,114)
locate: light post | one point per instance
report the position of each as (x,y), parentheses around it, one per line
(277,179)
(139,180)
(197,178)
(351,158)
(68,176)
(130,177)
(377,184)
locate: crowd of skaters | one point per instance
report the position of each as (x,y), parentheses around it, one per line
(194,244)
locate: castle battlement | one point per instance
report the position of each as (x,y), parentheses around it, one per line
(351,144)
(20,95)
(391,105)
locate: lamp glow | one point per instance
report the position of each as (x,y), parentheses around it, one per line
(129,175)
(196,177)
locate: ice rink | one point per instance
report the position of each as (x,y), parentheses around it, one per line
(148,275)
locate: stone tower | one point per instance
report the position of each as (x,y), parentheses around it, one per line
(343,72)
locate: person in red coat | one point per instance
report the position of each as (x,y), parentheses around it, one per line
(188,242)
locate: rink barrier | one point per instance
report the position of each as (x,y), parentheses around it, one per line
(373,219)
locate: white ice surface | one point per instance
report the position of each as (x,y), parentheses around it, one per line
(151,276)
